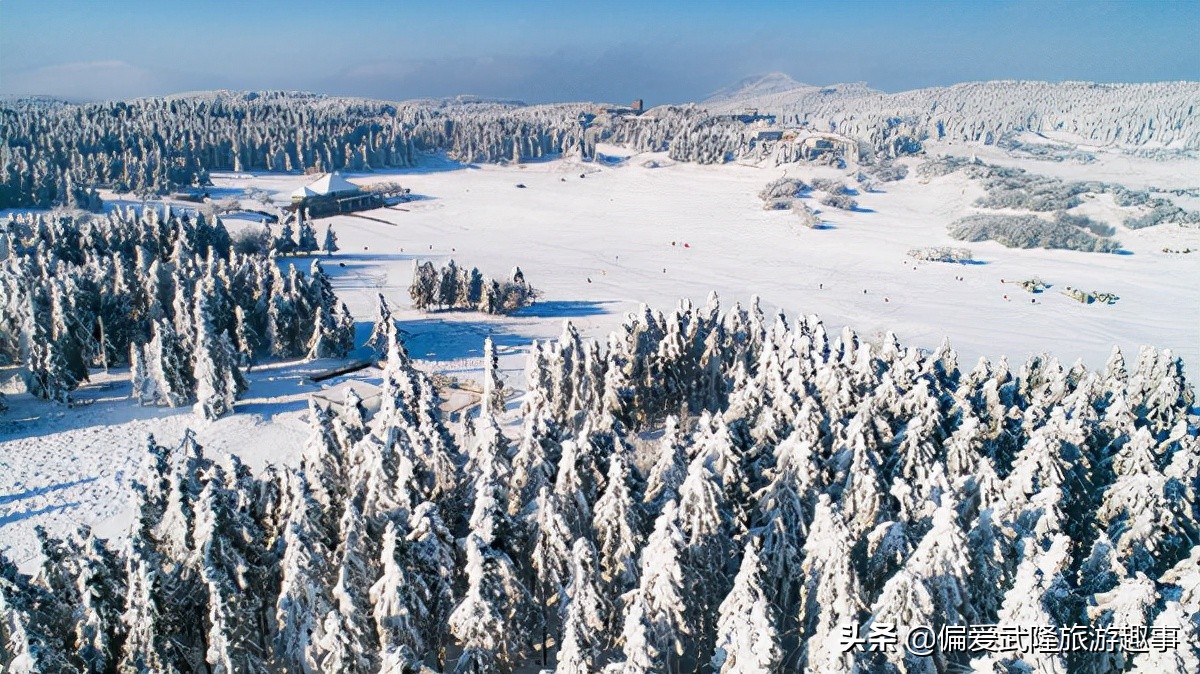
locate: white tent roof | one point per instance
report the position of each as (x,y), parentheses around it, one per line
(332,183)
(303,192)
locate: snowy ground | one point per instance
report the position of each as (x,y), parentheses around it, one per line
(598,239)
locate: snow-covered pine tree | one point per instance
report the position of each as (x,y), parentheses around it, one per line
(330,245)
(1181,592)
(534,464)
(431,563)
(218,380)
(657,627)
(495,618)
(830,594)
(1036,597)
(304,598)
(384,323)
(587,624)
(327,339)
(285,243)
(99,581)
(324,466)
(670,468)
(307,241)
(235,639)
(1147,522)
(576,484)
(169,367)
(618,529)
(35,633)
(352,646)
(551,553)
(493,387)
(147,647)
(748,624)
(931,588)
(397,602)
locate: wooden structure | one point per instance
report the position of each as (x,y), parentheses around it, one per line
(332,194)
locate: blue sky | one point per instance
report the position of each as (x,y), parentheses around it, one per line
(545,51)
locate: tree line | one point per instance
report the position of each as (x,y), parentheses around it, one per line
(55,154)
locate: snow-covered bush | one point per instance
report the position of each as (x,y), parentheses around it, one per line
(942,254)
(830,186)
(1031,231)
(887,171)
(1013,188)
(386,188)
(783,188)
(1163,213)
(1085,222)
(838,200)
(806,215)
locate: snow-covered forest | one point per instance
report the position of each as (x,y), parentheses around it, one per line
(1155,116)
(57,153)
(164,293)
(154,145)
(705,491)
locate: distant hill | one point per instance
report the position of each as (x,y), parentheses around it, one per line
(755,85)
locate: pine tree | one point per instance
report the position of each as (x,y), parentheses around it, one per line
(431,559)
(218,381)
(306,576)
(657,625)
(618,529)
(169,367)
(747,626)
(533,466)
(235,641)
(1178,619)
(1035,597)
(830,594)
(493,388)
(384,325)
(400,611)
(285,243)
(330,245)
(1139,513)
(669,469)
(493,618)
(586,628)
(551,557)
